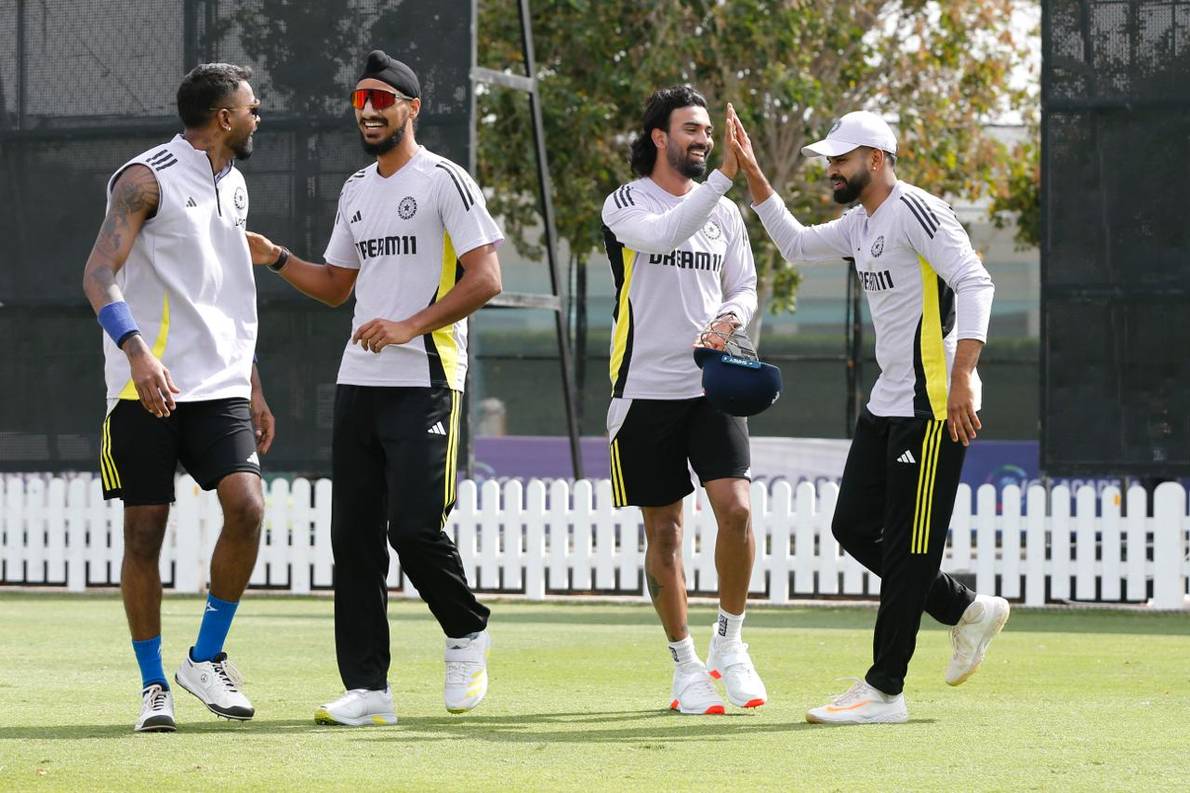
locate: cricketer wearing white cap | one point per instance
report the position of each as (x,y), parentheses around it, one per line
(859,128)
(930,299)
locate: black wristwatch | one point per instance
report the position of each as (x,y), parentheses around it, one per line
(282,260)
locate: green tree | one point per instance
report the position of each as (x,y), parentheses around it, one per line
(789,66)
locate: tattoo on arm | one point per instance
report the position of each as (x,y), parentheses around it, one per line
(135,198)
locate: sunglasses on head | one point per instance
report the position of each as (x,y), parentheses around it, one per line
(381,99)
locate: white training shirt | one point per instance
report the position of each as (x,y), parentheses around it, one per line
(677,262)
(405,234)
(188,279)
(913,257)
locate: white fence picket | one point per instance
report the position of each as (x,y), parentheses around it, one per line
(76,536)
(985,540)
(1169,546)
(300,535)
(1035,547)
(55,526)
(1010,542)
(1109,544)
(535,523)
(512,551)
(1060,543)
(558,537)
(583,516)
(1135,544)
(35,532)
(960,531)
(1084,543)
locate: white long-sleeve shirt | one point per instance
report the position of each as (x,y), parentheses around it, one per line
(926,289)
(677,262)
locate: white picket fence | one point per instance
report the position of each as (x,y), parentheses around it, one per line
(559,538)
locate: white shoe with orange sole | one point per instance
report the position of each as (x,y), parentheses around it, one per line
(694,692)
(729,661)
(861,704)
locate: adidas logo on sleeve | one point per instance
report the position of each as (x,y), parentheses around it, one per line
(907,457)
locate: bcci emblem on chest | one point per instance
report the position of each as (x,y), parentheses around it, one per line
(407,208)
(712,231)
(878,247)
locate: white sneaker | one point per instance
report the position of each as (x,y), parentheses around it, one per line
(466,672)
(216,683)
(693,691)
(729,661)
(979,624)
(156,710)
(357,707)
(861,704)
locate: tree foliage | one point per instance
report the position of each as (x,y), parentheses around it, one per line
(790,67)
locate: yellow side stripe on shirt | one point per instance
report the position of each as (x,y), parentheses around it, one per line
(129,389)
(933,352)
(924,508)
(444,338)
(620,331)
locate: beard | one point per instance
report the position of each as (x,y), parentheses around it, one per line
(683,163)
(242,149)
(385,145)
(848,193)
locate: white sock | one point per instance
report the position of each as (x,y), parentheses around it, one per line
(729,627)
(683,651)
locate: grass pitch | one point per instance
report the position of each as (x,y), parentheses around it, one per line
(1067,700)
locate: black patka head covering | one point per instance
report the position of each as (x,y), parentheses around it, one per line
(390,70)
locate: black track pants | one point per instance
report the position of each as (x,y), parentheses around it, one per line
(893,515)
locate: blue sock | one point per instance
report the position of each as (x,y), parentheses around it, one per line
(148,658)
(216,622)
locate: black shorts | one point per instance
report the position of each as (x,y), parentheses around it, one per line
(140,453)
(396,449)
(652,440)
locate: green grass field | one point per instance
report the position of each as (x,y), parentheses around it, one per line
(1067,700)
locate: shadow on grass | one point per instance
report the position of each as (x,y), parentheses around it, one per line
(72,732)
(649,726)
(661,726)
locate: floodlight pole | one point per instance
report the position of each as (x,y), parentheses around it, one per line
(528,84)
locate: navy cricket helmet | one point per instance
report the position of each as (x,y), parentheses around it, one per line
(735,380)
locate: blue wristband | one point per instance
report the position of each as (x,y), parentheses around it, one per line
(116,319)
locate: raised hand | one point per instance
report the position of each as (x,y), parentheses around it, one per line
(731,164)
(758,185)
(741,143)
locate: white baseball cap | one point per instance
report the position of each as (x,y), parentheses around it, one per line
(853,130)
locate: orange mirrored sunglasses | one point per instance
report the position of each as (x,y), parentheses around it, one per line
(381,99)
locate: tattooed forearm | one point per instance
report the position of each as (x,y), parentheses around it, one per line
(135,198)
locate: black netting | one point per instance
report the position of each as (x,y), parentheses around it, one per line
(84,86)
(1116,247)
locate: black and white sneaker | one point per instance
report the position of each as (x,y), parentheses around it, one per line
(156,710)
(216,683)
